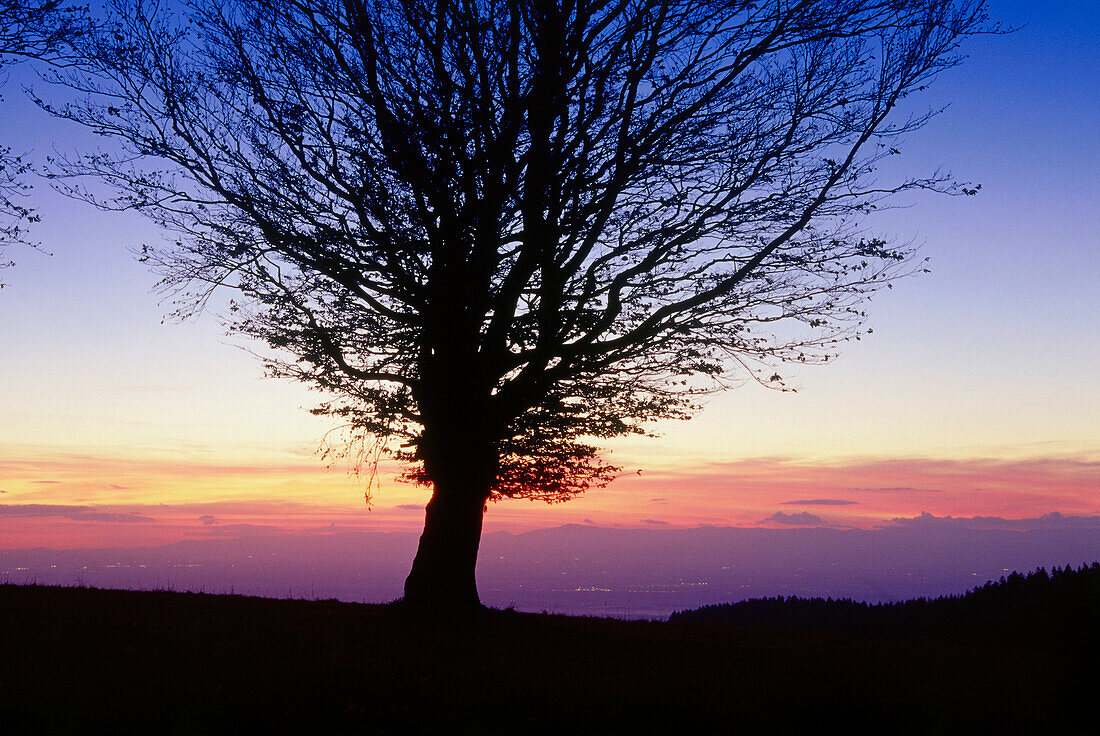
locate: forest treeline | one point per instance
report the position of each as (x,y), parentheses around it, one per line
(1055,610)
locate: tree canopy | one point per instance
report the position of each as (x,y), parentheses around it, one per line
(31,29)
(494,232)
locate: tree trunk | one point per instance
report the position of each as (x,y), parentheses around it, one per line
(442,577)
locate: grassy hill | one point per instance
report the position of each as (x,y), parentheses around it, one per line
(86,660)
(1056,611)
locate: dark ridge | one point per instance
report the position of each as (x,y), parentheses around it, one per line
(1040,610)
(82,660)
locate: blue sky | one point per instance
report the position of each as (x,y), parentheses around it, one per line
(991,356)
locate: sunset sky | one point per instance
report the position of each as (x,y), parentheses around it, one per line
(977,394)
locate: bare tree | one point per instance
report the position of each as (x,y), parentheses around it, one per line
(34,29)
(496,232)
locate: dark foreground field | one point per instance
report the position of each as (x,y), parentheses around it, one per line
(87,661)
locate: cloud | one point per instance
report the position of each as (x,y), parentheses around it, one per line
(899,489)
(658,500)
(47,482)
(102,469)
(117,487)
(821,502)
(655,522)
(75,513)
(1060,521)
(244,530)
(1052,520)
(409,507)
(208,520)
(802,518)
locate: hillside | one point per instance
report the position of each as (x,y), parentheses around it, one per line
(1056,611)
(86,660)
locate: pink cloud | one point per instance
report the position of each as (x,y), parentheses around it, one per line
(75,513)
(1052,520)
(801,518)
(878,488)
(860,492)
(821,502)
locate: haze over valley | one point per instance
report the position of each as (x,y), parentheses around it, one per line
(588,570)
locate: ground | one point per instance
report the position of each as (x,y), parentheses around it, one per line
(86,660)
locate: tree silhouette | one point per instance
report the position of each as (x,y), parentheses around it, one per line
(496,232)
(28,30)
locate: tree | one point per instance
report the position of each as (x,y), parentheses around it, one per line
(28,30)
(494,232)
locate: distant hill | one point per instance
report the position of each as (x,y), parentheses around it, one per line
(1055,610)
(586,569)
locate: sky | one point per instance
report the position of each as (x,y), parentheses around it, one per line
(976,396)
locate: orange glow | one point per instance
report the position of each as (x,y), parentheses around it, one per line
(70,500)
